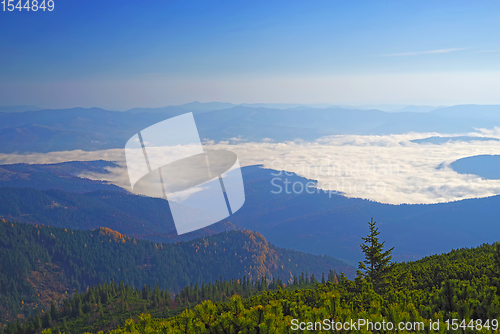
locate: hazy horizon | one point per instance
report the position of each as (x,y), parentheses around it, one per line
(387,107)
(170,53)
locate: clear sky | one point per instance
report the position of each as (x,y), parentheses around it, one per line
(124,54)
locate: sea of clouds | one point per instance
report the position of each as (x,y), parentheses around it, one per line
(387,169)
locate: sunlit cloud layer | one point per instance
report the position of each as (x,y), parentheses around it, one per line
(387,169)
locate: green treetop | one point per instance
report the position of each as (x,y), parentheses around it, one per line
(377,265)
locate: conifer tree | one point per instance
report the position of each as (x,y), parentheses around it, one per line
(53,310)
(377,265)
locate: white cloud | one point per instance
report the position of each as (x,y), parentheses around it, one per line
(489,132)
(238,139)
(387,169)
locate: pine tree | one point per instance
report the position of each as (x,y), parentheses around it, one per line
(100,309)
(377,265)
(65,325)
(54,313)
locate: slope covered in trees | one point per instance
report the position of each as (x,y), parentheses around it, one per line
(40,264)
(462,285)
(103,307)
(457,292)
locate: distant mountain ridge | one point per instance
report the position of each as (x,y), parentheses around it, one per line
(470,111)
(18,108)
(211,106)
(436,140)
(97,129)
(58,197)
(136,216)
(62,176)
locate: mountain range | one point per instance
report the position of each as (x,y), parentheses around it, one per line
(318,223)
(93,230)
(96,129)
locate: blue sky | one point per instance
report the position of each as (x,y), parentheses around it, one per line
(123,54)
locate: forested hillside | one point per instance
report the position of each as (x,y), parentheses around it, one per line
(461,285)
(460,290)
(106,306)
(40,264)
